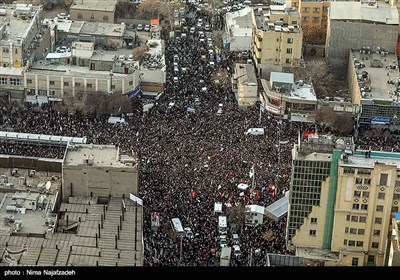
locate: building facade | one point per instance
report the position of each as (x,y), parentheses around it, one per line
(346,213)
(355,24)
(284,97)
(245,85)
(313,12)
(93,10)
(277,46)
(98,170)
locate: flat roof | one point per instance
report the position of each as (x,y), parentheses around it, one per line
(316,254)
(102,28)
(381,13)
(245,73)
(94,5)
(16,27)
(101,156)
(303,92)
(379,76)
(241,22)
(280,77)
(358,159)
(279,208)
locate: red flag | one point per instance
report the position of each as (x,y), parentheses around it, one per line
(305,134)
(229,199)
(223,194)
(193,194)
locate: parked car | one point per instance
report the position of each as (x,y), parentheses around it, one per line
(235,239)
(236,250)
(139,27)
(147,27)
(222,241)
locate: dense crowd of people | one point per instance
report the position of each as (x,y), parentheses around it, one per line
(191,156)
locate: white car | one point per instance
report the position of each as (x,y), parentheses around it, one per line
(121,57)
(175,79)
(139,27)
(130,57)
(147,27)
(236,250)
(220,106)
(222,241)
(192,30)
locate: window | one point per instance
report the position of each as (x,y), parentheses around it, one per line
(364,206)
(77,84)
(358,180)
(359,244)
(304,19)
(354,262)
(52,93)
(345,242)
(288,60)
(92,16)
(365,194)
(354,218)
(113,87)
(316,10)
(396,196)
(52,83)
(313,232)
(315,19)
(130,83)
(356,206)
(324,18)
(313,220)
(375,245)
(352,243)
(3,81)
(378,221)
(89,85)
(353,231)
(289,50)
(105,18)
(357,193)
(15,81)
(371,259)
(79,16)
(395,209)
(29,81)
(379,208)
(290,40)
(360,231)
(66,84)
(346,230)
(383,179)
(377,232)
(367,181)
(348,218)
(363,219)
(6,50)
(381,195)
(16,51)
(306,10)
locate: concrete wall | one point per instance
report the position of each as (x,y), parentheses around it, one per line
(39,164)
(101,181)
(86,15)
(342,36)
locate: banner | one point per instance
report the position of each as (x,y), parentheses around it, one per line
(133,93)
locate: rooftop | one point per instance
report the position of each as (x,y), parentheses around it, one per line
(279,208)
(316,254)
(17,28)
(303,91)
(97,28)
(368,11)
(358,159)
(245,74)
(94,5)
(280,77)
(241,22)
(102,235)
(97,155)
(377,73)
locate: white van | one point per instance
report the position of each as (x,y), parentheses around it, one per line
(178,228)
(255,131)
(222,228)
(218,207)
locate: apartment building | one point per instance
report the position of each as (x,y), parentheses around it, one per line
(373,76)
(277,45)
(365,23)
(313,12)
(344,216)
(93,10)
(245,85)
(238,29)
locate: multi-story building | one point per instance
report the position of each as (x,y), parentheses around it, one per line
(238,29)
(98,170)
(245,85)
(283,96)
(313,12)
(342,202)
(21,37)
(365,23)
(373,76)
(93,10)
(277,46)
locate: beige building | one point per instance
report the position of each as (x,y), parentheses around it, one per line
(313,12)
(245,85)
(277,46)
(346,214)
(98,170)
(93,10)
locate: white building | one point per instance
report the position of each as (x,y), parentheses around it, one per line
(238,29)
(254,214)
